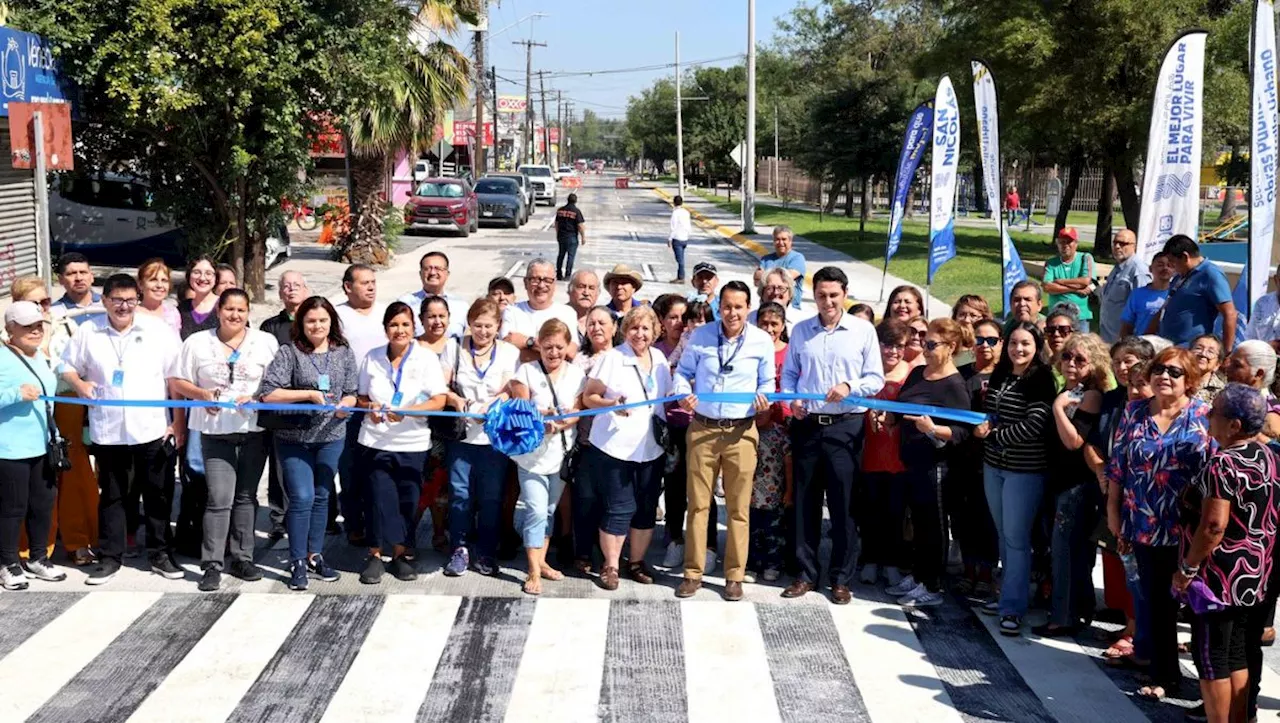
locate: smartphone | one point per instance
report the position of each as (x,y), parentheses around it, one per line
(168,446)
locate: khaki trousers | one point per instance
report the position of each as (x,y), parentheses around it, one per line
(713,452)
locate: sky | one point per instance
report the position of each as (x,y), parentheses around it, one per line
(589,35)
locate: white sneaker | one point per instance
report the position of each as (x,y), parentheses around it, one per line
(904,586)
(12,577)
(913,594)
(710,565)
(870,573)
(42,570)
(771,574)
(749,577)
(674,556)
(892,576)
(921,597)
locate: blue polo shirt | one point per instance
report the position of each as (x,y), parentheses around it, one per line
(1193,302)
(791,261)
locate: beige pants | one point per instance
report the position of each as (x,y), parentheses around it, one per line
(714,452)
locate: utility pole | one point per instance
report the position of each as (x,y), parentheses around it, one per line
(773,179)
(529,45)
(560,125)
(546,119)
(679,125)
(749,165)
(477,161)
(493,87)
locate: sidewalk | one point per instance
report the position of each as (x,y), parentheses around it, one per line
(864,278)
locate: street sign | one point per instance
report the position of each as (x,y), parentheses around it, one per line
(512,104)
(443,149)
(738,154)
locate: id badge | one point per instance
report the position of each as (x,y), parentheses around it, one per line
(396,399)
(323,383)
(117,378)
(235,356)
(717,386)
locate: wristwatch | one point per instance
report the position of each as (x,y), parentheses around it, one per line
(1188,570)
(528,343)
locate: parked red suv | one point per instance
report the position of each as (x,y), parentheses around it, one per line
(443,203)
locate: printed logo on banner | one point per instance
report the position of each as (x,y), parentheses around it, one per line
(914,143)
(1265,124)
(945,156)
(1170,185)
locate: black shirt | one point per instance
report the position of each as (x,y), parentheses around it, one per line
(189,325)
(568,219)
(280,326)
(917,449)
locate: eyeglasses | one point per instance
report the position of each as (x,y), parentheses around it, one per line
(123,303)
(777,289)
(1059,330)
(44,303)
(292,287)
(1204,352)
(542,280)
(990,341)
(893,347)
(1173,372)
(1070,358)
(1123,243)
(430,267)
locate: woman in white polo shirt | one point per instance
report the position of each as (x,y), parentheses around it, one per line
(625,458)
(477,472)
(554,385)
(226,363)
(402,375)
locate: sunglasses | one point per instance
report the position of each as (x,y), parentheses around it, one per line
(931,345)
(919,333)
(1059,330)
(1070,358)
(1173,372)
(990,341)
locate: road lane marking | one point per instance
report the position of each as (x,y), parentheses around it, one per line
(648,272)
(726,667)
(547,225)
(511,272)
(559,677)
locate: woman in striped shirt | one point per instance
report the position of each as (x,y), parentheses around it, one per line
(1014,461)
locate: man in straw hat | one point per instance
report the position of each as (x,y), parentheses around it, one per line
(622,283)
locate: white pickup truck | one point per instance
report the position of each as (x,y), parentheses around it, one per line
(543,181)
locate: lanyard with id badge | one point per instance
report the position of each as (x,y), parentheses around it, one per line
(726,365)
(397,397)
(117,376)
(322,378)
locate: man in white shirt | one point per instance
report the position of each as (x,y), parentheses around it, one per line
(678,240)
(1264,322)
(362,326)
(433,269)
(124,358)
(584,291)
(521,321)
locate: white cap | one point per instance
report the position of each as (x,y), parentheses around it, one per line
(23,313)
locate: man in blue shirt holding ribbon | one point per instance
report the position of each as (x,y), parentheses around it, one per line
(733,357)
(836,355)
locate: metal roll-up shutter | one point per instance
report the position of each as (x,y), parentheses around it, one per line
(18,251)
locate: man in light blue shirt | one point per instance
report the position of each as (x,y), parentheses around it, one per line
(433,269)
(729,356)
(836,355)
(784,257)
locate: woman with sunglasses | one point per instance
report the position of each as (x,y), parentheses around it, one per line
(964,497)
(925,449)
(1209,355)
(1083,363)
(1059,325)
(882,464)
(226,364)
(1160,446)
(913,355)
(1015,464)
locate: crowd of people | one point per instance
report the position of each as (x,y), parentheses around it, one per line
(1158,448)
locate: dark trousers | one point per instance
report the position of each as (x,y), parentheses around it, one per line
(965,503)
(1264,616)
(130,471)
(27,492)
(394,482)
(1074,552)
(675,496)
(923,487)
(353,477)
(1156,566)
(825,466)
(275,489)
(564,258)
(587,511)
(191,504)
(884,497)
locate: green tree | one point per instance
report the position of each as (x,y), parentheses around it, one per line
(651,122)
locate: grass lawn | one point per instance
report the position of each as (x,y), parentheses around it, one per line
(974,270)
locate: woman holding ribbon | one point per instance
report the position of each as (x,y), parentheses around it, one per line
(554,386)
(393,447)
(197,311)
(317,368)
(584,507)
(626,455)
(226,364)
(882,467)
(482,365)
(434,313)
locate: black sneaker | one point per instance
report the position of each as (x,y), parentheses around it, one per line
(277,534)
(373,570)
(403,569)
(211,580)
(163,565)
(102,573)
(318,567)
(245,570)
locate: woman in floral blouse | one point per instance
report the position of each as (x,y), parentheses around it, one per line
(1161,445)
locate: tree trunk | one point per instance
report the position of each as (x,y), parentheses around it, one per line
(848,199)
(241,232)
(1102,232)
(831,197)
(367,175)
(868,184)
(910,210)
(255,265)
(1129,203)
(1069,192)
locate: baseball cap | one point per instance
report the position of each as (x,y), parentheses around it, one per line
(23,313)
(702,266)
(1069,232)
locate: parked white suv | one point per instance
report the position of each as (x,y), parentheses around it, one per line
(543,182)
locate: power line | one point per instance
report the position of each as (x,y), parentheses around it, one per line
(636,69)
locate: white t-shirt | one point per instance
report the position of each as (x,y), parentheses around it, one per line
(523,319)
(547,457)
(364,332)
(477,388)
(205,361)
(420,379)
(142,360)
(630,437)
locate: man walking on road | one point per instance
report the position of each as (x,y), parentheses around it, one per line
(1129,273)
(571,232)
(678,240)
(784,257)
(837,355)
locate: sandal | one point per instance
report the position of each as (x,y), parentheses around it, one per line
(532,585)
(1121,648)
(1152,692)
(609,578)
(550,573)
(637,572)
(582,566)
(1011,625)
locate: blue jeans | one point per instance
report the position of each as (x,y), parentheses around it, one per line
(309,469)
(1014,499)
(477,474)
(564,259)
(353,500)
(678,247)
(536,508)
(1073,554)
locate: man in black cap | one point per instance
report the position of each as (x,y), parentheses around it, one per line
(571,232)
(705,281)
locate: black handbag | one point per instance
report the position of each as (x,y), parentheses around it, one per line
(450,429)
(572,456)
(57,452)
(277,421)
(661,432)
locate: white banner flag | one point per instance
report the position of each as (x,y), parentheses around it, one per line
(1262,152)
(984,96)
(1171,177)
(945,160)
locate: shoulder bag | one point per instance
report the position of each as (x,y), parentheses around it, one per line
(57,455)
(661,433)
(572,456)
(451,429)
